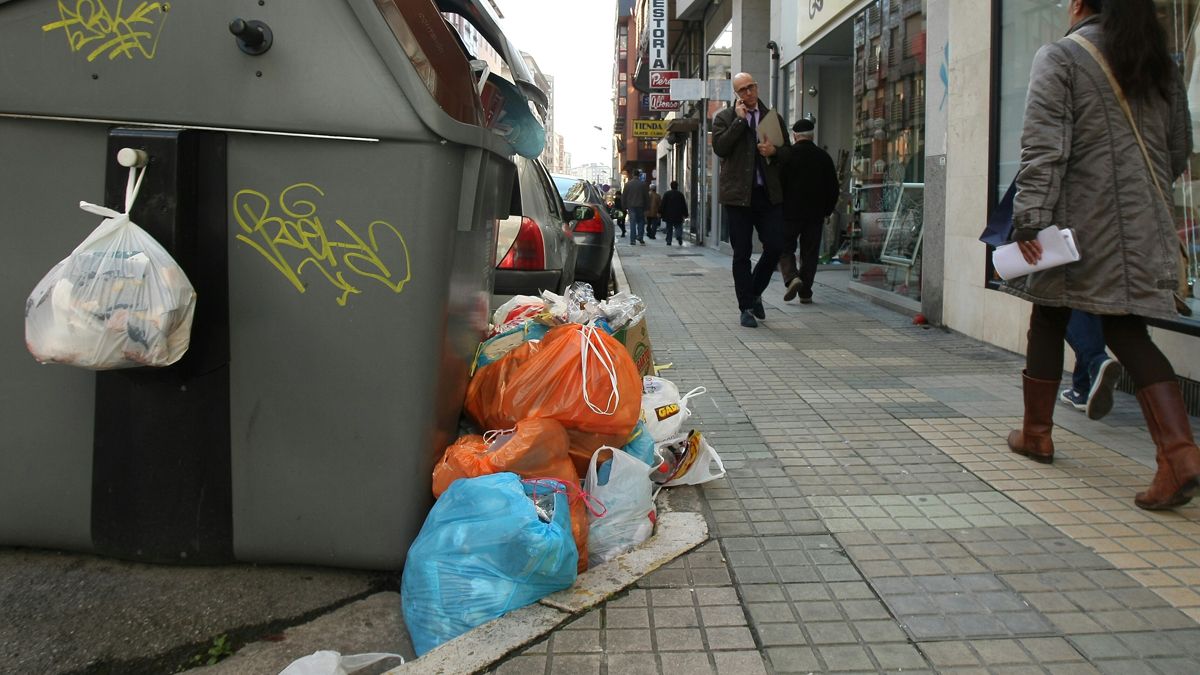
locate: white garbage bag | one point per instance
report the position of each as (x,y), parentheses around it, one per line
(663,410)
(332,663)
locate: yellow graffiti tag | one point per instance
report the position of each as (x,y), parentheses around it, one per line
(91,25)
(296,241)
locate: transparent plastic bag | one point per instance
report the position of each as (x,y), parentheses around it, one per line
(623,309)
(327,662)
(118,301)
(490,545)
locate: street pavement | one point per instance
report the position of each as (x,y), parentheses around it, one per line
(873,520)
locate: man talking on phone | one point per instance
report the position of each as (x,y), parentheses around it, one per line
(751,193)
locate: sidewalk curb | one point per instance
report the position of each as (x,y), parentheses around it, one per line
(619,272)
(676,534)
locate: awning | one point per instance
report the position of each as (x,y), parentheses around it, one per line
(684,125)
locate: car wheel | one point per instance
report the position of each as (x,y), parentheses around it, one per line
(604,285)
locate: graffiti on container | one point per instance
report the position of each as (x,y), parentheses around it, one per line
(296,242)
(102,26)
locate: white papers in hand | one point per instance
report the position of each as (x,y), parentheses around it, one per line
(1058,248)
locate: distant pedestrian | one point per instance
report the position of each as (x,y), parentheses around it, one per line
(751,193)
(637,198)
(810,193)
(1088,164)
(617,211)
(674,210)
(1095,375)
(653,212)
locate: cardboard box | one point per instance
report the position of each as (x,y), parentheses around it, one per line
(637,342)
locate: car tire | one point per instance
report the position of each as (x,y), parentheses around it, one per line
(604,283)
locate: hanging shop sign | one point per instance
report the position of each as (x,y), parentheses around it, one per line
(650,128)
(658,35)
(663,102)
(817,14)
(661,79)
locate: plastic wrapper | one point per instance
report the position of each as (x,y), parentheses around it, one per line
(623,309)
(483,552)
(118,301)
(627,494)
(579,305)
(493,348)
(536,448)
(516,311)
(695,460)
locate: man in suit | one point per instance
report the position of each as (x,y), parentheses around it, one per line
(810,189)
(751,192)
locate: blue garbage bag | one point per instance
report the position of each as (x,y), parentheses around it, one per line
(490,545)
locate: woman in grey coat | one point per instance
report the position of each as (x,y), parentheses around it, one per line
(1082,168)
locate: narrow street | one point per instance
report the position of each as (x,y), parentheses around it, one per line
(873,519)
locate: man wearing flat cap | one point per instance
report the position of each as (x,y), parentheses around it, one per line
(810,193)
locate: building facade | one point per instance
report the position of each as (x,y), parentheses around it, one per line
(920,103)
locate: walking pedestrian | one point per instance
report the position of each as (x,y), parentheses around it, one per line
(751,193)
(674,210)
(810,193)
(653,212)
(637,198)
(1089,164)
(618,211)
(1095,375)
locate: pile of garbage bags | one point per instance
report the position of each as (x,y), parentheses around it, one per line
(575,443)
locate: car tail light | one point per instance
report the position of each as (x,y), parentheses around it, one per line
(593,224)
(528,252)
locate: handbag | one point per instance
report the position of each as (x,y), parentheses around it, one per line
(1181,292)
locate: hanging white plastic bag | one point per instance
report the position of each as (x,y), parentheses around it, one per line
(327,662)
(696,461)
(118,301)
(628,499)
(663,410)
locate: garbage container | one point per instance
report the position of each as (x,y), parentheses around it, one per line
(323,179)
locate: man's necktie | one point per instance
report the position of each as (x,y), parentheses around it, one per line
(759,166)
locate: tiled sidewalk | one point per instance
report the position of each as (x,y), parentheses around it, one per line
(873,520)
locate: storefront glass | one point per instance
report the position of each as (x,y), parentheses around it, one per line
(883,240)
(1026,25)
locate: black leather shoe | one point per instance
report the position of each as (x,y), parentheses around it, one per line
(748,319)
(758,310)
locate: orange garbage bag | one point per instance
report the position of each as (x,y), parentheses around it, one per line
(537,448)
(485,390)
(581,377)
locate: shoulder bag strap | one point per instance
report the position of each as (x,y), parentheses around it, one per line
(1116,87)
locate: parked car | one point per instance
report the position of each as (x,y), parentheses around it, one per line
(535,250)
(594,231)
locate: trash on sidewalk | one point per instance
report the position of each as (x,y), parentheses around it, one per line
(694,460)
(490,545)
(119,300)
(628,498)
(663,409)
(536,448)
(327,662)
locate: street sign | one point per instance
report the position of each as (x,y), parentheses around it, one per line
(650,128)
(687,89)
(661,79)
(664,102)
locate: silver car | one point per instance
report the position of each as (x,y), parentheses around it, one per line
(535,251)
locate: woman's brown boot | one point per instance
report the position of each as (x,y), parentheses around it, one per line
(1178,477)
(1033,439)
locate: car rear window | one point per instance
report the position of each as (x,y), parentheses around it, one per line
(571,189)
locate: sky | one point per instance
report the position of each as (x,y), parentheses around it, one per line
(572,40)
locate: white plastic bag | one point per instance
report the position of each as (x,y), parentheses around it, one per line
(332,663)
(515,312)
(623,309)
(629,511)
(696,461)
(118,301)
(663,410)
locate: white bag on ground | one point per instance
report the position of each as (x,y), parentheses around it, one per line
(628,500)
(696,461)
(663,410)
(327,662)
(118,301)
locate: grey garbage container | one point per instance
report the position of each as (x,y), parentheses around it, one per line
(332,199)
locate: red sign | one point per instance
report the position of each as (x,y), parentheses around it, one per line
(664,102)
(661,79)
